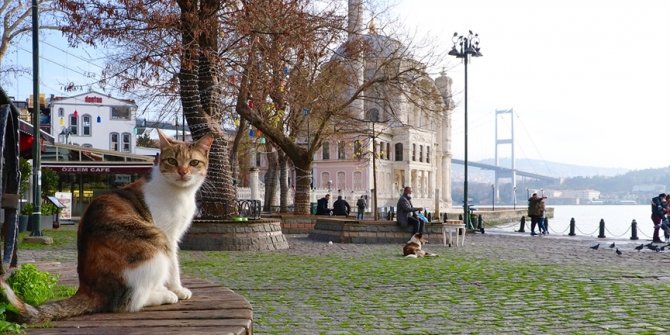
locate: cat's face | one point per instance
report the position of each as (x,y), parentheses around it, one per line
(184,164)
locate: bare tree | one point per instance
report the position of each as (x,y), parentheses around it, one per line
(304,87)
(16,23)
(173,50)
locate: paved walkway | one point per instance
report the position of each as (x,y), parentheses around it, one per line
(478,307)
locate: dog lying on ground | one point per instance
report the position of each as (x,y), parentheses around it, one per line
(413,248)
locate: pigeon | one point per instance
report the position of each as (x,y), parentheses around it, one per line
(652,247)
(657,249)
(650,244)
(595,247)
(618,252)
(639,247)
(612,245)
(663,248)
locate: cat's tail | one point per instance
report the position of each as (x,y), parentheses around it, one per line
(76,305)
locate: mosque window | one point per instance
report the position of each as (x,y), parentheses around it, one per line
(325,151)
(398,152)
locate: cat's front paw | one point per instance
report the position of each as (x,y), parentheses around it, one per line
(183,293)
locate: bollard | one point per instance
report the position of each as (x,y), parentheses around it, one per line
(444,217)
(522,227)
(633,230)
(480,224)
(430,217)
(602,229)
(572,227)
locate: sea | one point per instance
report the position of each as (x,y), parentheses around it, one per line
(618,220)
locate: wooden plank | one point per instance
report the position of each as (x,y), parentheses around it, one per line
(244,323)
(168,315)
(142,331)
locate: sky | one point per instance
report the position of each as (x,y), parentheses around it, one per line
(588,80)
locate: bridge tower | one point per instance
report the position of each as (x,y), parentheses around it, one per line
(501,140)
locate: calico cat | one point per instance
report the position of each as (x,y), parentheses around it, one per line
(127,240)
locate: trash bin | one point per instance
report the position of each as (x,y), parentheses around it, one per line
(312,208)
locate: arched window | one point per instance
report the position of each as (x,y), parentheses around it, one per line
(73,123)
(86,125)
(126,142)
(420,153)
(325,151)
(341,181)
(358,181)
(114,141)
(372,115)
(358,151)
(398,152)
(340,150)
(325,180)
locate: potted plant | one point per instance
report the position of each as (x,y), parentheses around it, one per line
(49,212)
(24,216)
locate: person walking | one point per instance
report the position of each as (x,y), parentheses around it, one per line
(360,206)
(536,213)
(406,212)
(659,205)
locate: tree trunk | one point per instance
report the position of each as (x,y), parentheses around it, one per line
(234,152)
(200,96)
(270,177)
(303,179)
(283,181)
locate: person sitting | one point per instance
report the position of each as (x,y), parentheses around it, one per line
(341,207)
(406,215)
(322,206)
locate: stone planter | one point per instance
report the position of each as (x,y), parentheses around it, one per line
(252,235)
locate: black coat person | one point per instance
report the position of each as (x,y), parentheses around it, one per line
(322,206)
(341,207)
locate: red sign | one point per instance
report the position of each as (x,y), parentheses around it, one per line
(99,169)
(93,100)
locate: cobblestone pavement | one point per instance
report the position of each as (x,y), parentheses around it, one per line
(627,295)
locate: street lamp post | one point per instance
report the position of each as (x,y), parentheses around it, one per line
(493,197)
(465,46)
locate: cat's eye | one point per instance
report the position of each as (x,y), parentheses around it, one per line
(171,161)
(195,162)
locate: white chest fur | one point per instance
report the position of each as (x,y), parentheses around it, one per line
(172,208)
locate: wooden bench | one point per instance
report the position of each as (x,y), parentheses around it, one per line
(212,310)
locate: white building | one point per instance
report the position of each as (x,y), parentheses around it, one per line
(412,142)
(94,120)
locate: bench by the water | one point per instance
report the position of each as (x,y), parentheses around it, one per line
(212,310)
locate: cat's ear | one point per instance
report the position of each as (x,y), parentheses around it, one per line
(205,142)
(164,140)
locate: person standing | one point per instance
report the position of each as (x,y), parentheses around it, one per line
(360,206)
(536,213)
(341,207)
(659,206)
(406,215)
(322,206)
